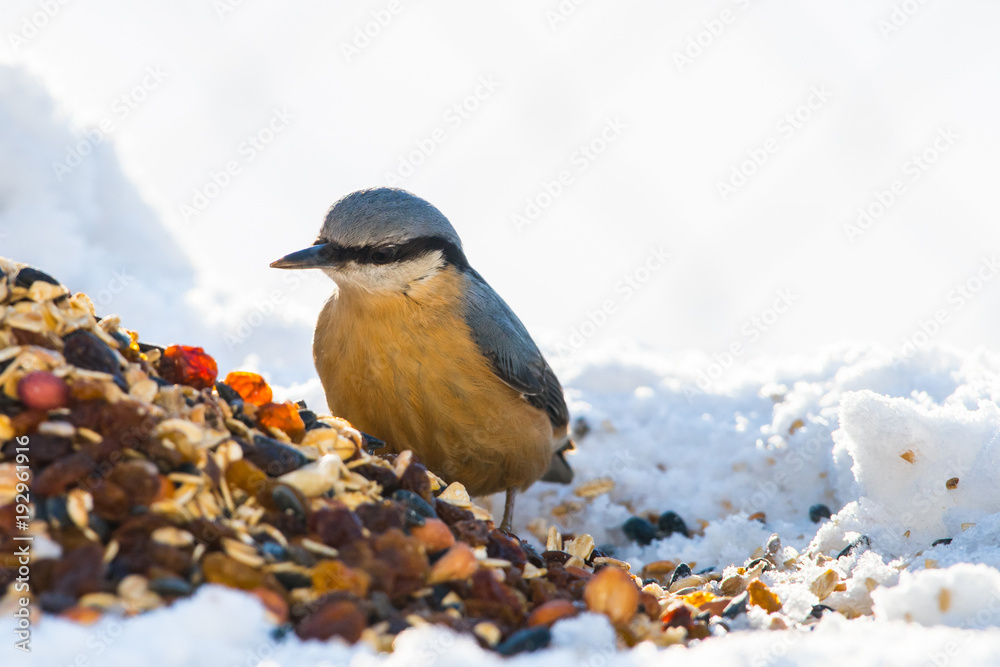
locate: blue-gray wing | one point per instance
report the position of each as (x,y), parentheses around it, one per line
(514,356)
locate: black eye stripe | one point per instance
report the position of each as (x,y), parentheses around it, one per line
(401,252)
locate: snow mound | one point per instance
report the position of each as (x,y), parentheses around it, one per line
(963,596)
(925,471)
(66,206)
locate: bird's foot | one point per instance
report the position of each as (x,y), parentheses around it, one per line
(508,511)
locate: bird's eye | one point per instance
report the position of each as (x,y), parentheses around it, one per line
(382,255)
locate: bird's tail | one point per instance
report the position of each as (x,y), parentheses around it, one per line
(559,470)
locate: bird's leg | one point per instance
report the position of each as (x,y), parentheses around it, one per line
(508,510)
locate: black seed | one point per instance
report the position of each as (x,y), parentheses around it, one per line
(818,609)
(241,416)
(532,555)
(737,606)
(412,518)
(171,586)
(310,420)
(682,571)
(273,550)
(818,512)
(27,276)
(371,443)
(382,605)
(595,553)
(768,565)
(55,603)
(639,530)
(527,640)
(555,556)
(301,556)
(647,582)
(124,342)
(438,593)
(273,457)
(291,579)
(862,542)
(414,502)
(670,523)
(286,499)
(943,540)
(188,468)
(99,526)
(56,512)
(706,570)
(84,349)
(280,632)
(149,347)
(580,428)
(227,393)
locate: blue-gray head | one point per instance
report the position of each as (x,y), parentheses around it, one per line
(380,239)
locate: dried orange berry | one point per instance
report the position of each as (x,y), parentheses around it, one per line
(221,569)
(459,562)
(762,596)
(251,387)
(550,612)
(282,416)
(613,593)
(181,364)
(341,618)
(82,615)
(435,535)
(678,615)
(333,575)
(277,608)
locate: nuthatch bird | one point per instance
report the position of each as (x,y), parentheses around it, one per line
(417,349)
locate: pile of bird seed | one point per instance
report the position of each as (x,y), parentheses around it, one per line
(150,478)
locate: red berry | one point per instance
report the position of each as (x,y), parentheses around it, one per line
(251,387)
(41,390)
(181,364)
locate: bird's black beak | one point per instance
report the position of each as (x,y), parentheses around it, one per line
(316,257)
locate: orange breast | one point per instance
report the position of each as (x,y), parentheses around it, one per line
(405,369)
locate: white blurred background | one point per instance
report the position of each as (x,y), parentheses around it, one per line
(741,137)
